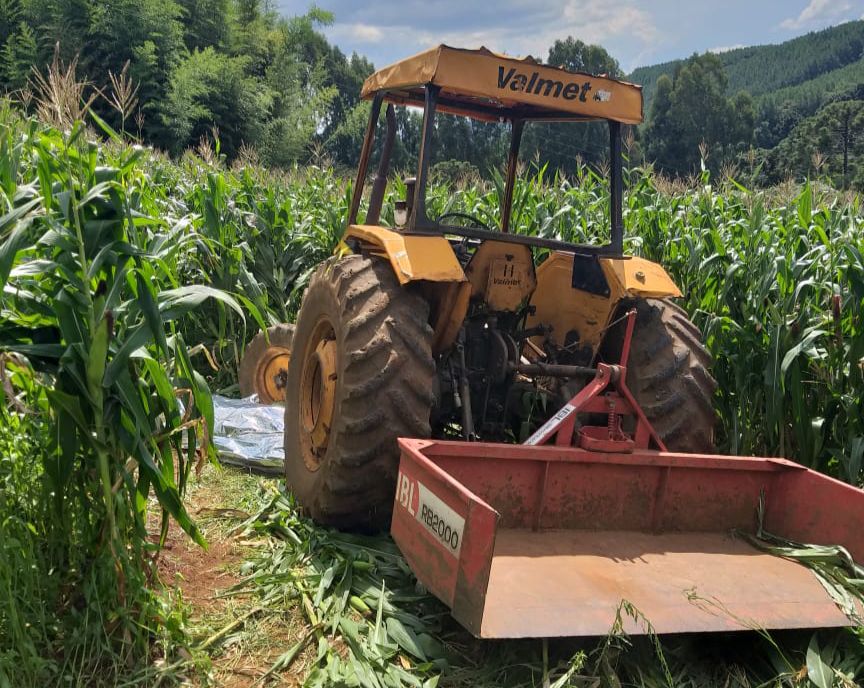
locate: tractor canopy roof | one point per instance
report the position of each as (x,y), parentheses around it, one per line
(489,86)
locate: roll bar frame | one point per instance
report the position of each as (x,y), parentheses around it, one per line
(419,222)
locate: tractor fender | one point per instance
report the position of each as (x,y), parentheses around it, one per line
(638,277)
(413,257)
(429,261)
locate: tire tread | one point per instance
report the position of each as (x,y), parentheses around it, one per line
(668,373)
(386,391)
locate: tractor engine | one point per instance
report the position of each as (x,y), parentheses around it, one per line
(483,389)
(475,380)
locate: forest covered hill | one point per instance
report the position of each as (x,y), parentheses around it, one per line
(178,74)
(789,81)
(764,69)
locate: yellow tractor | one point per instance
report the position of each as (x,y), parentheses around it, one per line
(442,327)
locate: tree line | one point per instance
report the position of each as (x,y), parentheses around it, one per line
(798,88)
(201,68)
(173,73)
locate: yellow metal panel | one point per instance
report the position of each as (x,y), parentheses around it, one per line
(565,309)
(501,274)
(429,258)
(638,277)
(449,305)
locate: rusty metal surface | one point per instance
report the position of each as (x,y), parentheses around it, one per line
(572,583)
(817,509)
(638,491)
(445,532)
(609,395)
(563,535)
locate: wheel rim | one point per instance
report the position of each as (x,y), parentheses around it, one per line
(271,374)
(318,395)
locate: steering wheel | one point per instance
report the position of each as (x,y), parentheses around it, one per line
(470,218)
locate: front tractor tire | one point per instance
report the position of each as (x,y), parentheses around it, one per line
(668,373)
(361,375)
(264,366)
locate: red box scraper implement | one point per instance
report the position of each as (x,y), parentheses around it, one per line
(548,538)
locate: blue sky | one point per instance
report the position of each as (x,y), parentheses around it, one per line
(636,33)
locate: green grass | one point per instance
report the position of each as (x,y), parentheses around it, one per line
(130,281)
(368,623)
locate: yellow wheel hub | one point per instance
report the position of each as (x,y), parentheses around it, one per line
(317,396)
(271,374)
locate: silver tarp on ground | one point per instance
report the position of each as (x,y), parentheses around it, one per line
(249,434)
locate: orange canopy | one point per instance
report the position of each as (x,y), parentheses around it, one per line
(486,85)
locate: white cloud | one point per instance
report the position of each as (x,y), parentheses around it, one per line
(361,33)
(815,12)
(595,22)
(584,19)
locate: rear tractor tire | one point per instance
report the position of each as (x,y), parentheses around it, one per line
(361,375)
(668,373)
(264,366)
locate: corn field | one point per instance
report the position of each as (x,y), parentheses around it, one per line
(130,283)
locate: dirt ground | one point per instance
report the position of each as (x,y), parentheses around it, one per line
(237,641)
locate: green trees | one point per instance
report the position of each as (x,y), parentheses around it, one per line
(17,44)
(790,82)
(276,85)
(810,60)
(148,34)
(210,89)
(577,56)
(199,66)
(301,89)
(207,23)
(268,82)
(830,143)
(19,53)
(692,109)
(562,146)
(840,135)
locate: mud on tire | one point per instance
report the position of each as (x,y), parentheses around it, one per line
(383,374)
(668,373)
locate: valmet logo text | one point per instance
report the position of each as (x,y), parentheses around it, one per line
(534,83)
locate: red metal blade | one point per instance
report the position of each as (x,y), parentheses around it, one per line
(573,583)
(552,540)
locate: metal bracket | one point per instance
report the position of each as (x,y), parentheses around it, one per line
(614,403)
